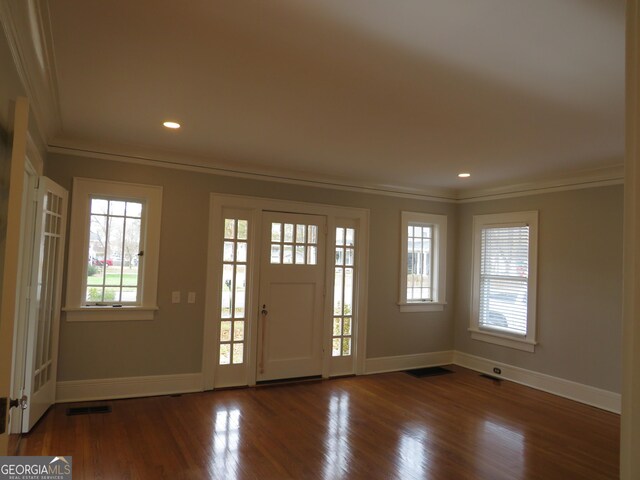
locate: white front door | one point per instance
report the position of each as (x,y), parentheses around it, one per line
(44,311)
(292,273)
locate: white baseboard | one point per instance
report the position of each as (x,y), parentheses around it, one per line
(579,392)
(404,362)
(127,387)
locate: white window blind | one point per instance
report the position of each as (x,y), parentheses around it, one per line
(504,275)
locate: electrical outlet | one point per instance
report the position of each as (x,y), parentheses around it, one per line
(175,297)
(497,371)
(191,298)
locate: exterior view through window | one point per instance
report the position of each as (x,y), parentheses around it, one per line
(234,287)
(419,263)
(291,243)
(114,254)
(343,292)
(504,275)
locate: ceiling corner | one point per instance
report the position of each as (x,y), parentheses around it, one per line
(28,32)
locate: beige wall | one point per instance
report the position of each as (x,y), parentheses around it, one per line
(579,305)
(172,343)
(579,279)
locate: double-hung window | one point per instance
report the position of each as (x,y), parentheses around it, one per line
(504,279)
(423,262)
(113,251)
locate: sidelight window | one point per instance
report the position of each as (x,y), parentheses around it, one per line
(234,291)
(343,293)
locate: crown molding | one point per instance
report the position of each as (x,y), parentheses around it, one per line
(193,163)
(576,180)
(592,178)
(28,30)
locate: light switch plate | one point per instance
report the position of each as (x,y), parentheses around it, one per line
(175,297)
(191,298)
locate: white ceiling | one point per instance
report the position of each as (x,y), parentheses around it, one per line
(403,93)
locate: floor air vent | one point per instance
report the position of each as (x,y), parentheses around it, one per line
(428,372)
(287,381)
(88,410)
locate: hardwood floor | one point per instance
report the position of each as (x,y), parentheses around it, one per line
(456,426)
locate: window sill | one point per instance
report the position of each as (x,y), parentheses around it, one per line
(109,314)
(422,307)
(504,340)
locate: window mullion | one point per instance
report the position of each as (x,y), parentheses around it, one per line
(106,250)
(124,236)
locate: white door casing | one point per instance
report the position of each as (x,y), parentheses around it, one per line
(216,374)
(12,154)
(45,292)
(292,272)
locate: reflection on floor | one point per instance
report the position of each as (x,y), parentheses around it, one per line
(373,427)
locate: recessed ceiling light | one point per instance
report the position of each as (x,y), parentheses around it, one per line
(464,175)
(173,125)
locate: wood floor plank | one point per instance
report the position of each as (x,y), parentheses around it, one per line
(455,426)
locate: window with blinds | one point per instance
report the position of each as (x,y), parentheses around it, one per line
(504,275)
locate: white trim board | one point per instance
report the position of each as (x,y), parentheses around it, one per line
(208,166)
(404,362)
(127,387)
(601,177)
(579,392)
(574,180)
(130,387)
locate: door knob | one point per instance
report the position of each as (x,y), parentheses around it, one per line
(19,402)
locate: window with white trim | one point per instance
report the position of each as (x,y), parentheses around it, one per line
(113,251)
(344,273)
(234,288)
(423,262)
(114,256)
(504,279)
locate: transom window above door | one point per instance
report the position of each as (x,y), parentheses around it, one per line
(294,244)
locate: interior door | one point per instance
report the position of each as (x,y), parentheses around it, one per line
(44,311)
(29,200)
(291,296)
